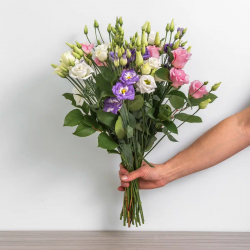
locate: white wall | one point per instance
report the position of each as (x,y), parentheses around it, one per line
(52,180)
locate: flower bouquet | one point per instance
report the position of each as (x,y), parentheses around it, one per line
(129,91)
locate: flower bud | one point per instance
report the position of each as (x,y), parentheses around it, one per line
(189,49)
(128,53)
(143,49)
(215,86)
(120,21)
(133,40)
(76,55)
(85,30)
(146,69)
(65,70)
(98,42)
(148,28)
(177,35)
(168,27)
(123,50)
(176,45)
(130,46)
(71,62)
(184,31)
(153,72)
(116,49)
(70,45)
(78,45)
(172,26)
(122,32)
(61,74)
(138,48)
(144,27)
(123,60)
(78,51)
(204,104)
(119,53)
(144,39)
(183,44)
(116,61)
(96,25)
(126,43)
(206,83)
(138,41)
(139,58)
(113,30)
(109,28)
(157,39)
(54,66)
(136,34)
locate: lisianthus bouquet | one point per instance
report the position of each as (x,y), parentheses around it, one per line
(127,91)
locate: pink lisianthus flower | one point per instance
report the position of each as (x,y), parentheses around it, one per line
(87,47)
(178,77)
(154,51)
(181,56)
(196,90)
(99,63)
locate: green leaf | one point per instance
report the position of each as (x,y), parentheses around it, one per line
(131,120)
(119,130)
(108,75)
(148,163)
(188,118)
(171,127)
(85,108)
(113,152)
(73,118)
(136,104)
(103,95)
(84,130)
(176,101)
(164,112)
(138,126)
(126,153)
(162,73)
(150,113)
(103,85)
(70,97)
(130,132)
(150,143)
(196,102)
(106,142)
(156,97)
(170,137)
(106,118)
(90,121)
(180,94)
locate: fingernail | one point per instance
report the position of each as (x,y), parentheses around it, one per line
(124,177)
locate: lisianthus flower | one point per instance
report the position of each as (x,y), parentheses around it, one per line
(196,90)
(87,47)
(181,30)
(154,63)
(146,84)
(181,56)
(151,38)
(129,77)
(66,58)
(77,96)
(123,91)
(81,71)
(112,104)
(178,77)
(101,52)
(146,55)
(154,51)
(166,47)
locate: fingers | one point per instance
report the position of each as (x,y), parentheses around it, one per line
(121,188)
(133,175)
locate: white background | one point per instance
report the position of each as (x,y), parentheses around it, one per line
(53,180)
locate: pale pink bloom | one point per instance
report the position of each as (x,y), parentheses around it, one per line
(87,47)
(154,51)
(178,77)
(99,63)
(181,56)
(196,90)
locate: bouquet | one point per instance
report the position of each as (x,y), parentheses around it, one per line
(127,91)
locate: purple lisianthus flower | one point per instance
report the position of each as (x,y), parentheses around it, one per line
(129,77)
(112,104)
(112,55)
(181,30)
(123,91)
(166,47)
(146,55)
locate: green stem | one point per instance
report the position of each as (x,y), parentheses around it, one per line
(100,34)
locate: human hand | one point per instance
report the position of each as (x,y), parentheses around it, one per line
(148,177)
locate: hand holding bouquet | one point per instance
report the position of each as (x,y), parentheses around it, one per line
(129,91)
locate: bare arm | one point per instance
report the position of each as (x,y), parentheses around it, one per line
(219,143)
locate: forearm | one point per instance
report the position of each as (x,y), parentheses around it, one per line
(219,143)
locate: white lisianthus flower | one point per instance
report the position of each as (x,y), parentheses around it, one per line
(146,84)
(81,71)
(101,52)
(66,58)
(154,63)
(77,96)
(151,38)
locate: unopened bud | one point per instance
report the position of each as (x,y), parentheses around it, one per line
(146,69)
(116,61)
(144,27)
(216,86)
(61,74)
(119,53)
(177,35)
(123,50)
(176,45)
(113,30)
(70,45)
(136,34)
(204,104)
(128,53)
(96,25)
(123,60)
(54,66)
(143,49)
(184,31)
(139,58)
(144,39)
(157,39)
(183,44)
(120,21)
(64,69)
(148,28)
(76,55)
(205,83)
(138,41)
(189,49)
(85,30)
(172,26)
(78,45)
(109,28)
(98,42)
(168,27)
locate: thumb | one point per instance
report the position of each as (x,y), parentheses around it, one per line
(133,175)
